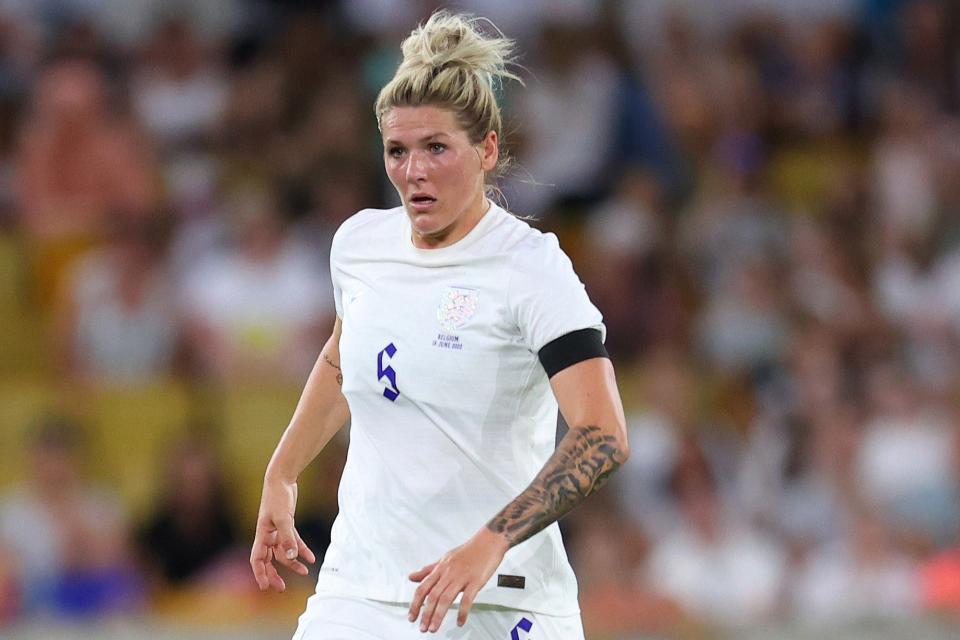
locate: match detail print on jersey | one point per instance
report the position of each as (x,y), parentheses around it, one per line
(524,624)
(390,392)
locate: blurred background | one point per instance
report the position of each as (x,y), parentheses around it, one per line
(762,197)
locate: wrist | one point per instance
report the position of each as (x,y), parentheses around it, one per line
(278,476)
(492,539)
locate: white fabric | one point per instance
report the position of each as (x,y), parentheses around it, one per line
(584,99)
(640,482)
(114,339)
(836,585)
(732,579)
(260,308)
(475,418)
(176,109)
(904,457)
(337,618)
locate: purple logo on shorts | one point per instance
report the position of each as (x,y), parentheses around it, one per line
(524,624)
(391,392)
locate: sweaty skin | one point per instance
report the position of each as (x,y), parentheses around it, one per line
(582,463)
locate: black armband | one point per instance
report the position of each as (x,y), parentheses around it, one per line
(571,348)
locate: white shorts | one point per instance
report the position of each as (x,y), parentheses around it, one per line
(331,617)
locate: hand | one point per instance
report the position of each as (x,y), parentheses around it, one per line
(464,569)
(276,537)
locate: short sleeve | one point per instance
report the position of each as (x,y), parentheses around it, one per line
(335,272)
(546,297)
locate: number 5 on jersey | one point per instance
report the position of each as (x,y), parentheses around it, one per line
(391,392)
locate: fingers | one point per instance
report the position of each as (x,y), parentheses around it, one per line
(429,606)
(273,577)
(256,565)
(287,540)
(296,566)
(259,557)
(466,602)
(305,551)
(288,548)
(437,608)
(266,549)
(421,593)
(419,575)
(260,574)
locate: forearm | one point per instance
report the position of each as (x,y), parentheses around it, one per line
(594,447)
(320,413)
(581,464)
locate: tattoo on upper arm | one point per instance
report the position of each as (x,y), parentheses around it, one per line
(339,370)
(582,463)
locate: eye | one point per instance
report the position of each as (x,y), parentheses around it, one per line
(395,152)
(437,147)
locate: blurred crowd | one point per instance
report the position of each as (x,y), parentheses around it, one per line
(762,197)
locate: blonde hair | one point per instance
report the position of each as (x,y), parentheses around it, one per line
(450,62)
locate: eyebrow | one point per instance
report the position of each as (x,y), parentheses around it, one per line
(438,134)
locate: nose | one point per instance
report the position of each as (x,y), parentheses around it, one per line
(416,167)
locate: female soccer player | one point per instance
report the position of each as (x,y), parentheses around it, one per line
(459,331)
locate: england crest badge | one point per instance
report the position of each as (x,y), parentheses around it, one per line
(457,306)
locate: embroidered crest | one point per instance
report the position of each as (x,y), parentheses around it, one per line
(457,306)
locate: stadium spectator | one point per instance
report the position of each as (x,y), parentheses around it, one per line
(257,308)
(68,539)
(179,91)
(907,463)
(192,528)
(787,291)
(862,576)
(576,79)
(80,166)
(663,412)
(118,321)
(713,565)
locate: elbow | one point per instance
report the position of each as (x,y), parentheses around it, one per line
(610,436)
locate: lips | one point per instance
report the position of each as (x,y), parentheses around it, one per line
(422,201)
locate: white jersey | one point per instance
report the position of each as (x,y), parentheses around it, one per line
(452,412)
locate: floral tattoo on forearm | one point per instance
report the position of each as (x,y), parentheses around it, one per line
(339,370)
(582,463)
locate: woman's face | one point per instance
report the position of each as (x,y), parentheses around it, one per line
(437,171)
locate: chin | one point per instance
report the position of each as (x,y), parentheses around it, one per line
(431,232)
(427,224)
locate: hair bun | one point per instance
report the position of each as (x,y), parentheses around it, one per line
(456,41)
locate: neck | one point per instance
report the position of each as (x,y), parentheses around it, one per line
(456,231)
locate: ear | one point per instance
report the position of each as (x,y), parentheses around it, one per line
(489,151)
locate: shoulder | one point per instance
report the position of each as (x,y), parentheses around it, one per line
(364,222)
(521,241)
(535,251)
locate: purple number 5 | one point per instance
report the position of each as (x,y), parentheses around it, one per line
(391,392)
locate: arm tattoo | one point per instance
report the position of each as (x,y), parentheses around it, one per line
(339,370)
(582,463)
